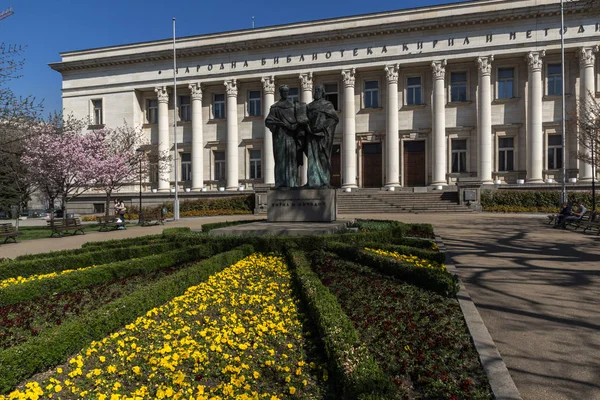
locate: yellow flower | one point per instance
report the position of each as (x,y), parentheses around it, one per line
(292,390)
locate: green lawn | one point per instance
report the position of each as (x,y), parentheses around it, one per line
(42,232)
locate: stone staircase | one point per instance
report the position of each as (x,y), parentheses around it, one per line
(379,201)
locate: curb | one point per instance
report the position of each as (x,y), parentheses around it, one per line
(500,380)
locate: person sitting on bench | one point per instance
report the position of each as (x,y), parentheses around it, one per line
(565,211)
(575,215)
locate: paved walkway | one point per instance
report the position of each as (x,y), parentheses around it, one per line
(536,288)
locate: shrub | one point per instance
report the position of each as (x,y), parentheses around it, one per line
(209,227)
(80,259)
(79,279)
(53,347)
(441,282)
(353,365)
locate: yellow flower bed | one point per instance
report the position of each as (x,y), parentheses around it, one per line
(21,279)
(236,336)
(414,260)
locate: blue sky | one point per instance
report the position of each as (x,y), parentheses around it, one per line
(49,27)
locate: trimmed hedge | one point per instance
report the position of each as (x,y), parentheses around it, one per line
(431,255)
(441,282)
(209,227)
(102,273)
(80,260)
(53,347)
(529,200)
(354,368)
(137,241)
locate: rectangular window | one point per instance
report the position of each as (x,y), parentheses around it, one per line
(506,83)
(506,154)
(458,86)
(459,155)
(219,165)
(554,80)
(413,91)
(331,94)
(186,166)
(97,104)
(554,151)
(152,111)
(293,95)
(219,106)
(371,94)
(254,103)
(255,164)
(185,111)
(98,208)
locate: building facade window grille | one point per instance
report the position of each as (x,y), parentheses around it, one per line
(506,83)
(255,164)
(219,106)
(219,165)
(98,114)
(371,94)
(254,103)
(458,86)
(506,152)
(554,80)
(185,110)
(413,91)
(152,111)
(555,160)
(459,155)
(186,167)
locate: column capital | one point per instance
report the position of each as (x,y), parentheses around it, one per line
(439,69)
(485,65)
(306,81)
(587,58)
(268,84)
(392,73)
(196,89)
(162,94)
(349,77)
(231,88)
(534,60)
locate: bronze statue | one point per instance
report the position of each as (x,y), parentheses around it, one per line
(322,120)
(298,128)
(287,143)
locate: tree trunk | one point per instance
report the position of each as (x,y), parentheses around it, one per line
(107,208)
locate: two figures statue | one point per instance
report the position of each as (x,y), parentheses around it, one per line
(298,129)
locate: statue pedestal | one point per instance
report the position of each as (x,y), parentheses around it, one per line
(301,205)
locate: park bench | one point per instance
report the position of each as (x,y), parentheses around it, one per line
(152,216)
(58,226)
(109,222)
(576,223)
(8,231)
(592,224)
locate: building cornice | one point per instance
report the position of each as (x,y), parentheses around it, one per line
(357,27)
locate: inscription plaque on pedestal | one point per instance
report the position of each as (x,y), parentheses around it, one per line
(301,205)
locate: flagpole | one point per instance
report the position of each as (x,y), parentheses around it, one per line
(564,133)
(176,202)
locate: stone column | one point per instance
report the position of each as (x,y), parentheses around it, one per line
(306,96)
(231,152)
(392,141)
(587,60)
(484,109)
(439,123)
(164,174)
(349,138)
(197,138)
(268,84)
(535,133)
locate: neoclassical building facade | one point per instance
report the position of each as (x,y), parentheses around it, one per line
(424,96)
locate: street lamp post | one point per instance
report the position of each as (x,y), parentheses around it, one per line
(140,151)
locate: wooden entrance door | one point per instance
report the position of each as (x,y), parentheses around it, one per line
(414,163)
(371,165)
(335,179)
